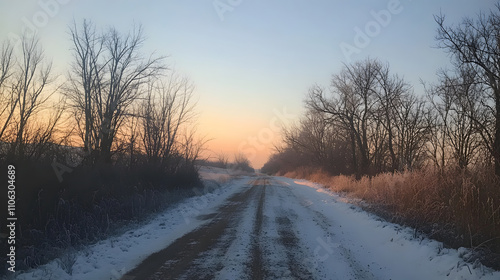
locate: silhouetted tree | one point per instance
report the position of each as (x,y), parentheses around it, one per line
(392,90)
(456,103)
(352,104)
(8,100)
(108,76)
(476,43)
(29,93)
(167,107)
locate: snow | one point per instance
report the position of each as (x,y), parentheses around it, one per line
(220,175)
(237,253)
(112,258)
(380,249)
(333,239)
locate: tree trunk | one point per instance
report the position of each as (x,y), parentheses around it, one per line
(496,142)
(353,149)
(394,164)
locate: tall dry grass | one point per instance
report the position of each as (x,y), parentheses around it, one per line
(460,208)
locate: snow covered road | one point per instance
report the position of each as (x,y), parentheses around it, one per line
(279,228)
(263,228)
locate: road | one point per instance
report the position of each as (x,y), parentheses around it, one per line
(278,228)
(253,235)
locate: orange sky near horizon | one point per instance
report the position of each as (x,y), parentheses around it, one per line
(253,64)
(252,136)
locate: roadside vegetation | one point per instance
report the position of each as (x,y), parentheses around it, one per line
(107,143)
(240,163)
(428,160)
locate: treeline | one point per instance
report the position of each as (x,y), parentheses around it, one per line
(371,121)
(429,160)
(221,160)
(108,142)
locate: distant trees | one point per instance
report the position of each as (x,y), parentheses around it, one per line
(475,43)
(316,142)
(286,160)
(371,121)
(373,114)
(222,160)
(242,163)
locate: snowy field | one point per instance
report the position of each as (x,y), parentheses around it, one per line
(284,229)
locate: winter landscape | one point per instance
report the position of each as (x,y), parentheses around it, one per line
(226,139)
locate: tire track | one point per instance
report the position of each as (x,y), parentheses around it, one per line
(332,245)
(179,257)
(256,234)
(292,247)
(257,270)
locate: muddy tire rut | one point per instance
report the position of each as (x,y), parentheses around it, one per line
(253,235)
(179,259)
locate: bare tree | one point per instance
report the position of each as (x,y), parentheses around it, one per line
(242,163)
(222,160)
(455,104)
(8,101)
(30,83)
(476,43)
(108,76)
(86,84)
(127,73)
(464,133)
(392,89)
(413,131)
(352,104)
(441,102)
(166,108)
(192,146)
(377,113)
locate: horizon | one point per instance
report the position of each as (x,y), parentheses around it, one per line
(252,63)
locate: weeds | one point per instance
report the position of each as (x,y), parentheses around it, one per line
(67,261)
(89,205)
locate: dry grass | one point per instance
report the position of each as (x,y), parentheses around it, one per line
(461,208)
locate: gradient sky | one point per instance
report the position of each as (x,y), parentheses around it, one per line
(253,61)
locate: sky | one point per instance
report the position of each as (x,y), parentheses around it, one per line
(253,61)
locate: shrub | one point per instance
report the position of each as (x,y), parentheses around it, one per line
(89,204)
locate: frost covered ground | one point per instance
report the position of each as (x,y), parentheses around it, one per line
(265,227)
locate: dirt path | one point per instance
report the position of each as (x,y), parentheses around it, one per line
(181,258)
(255,234)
